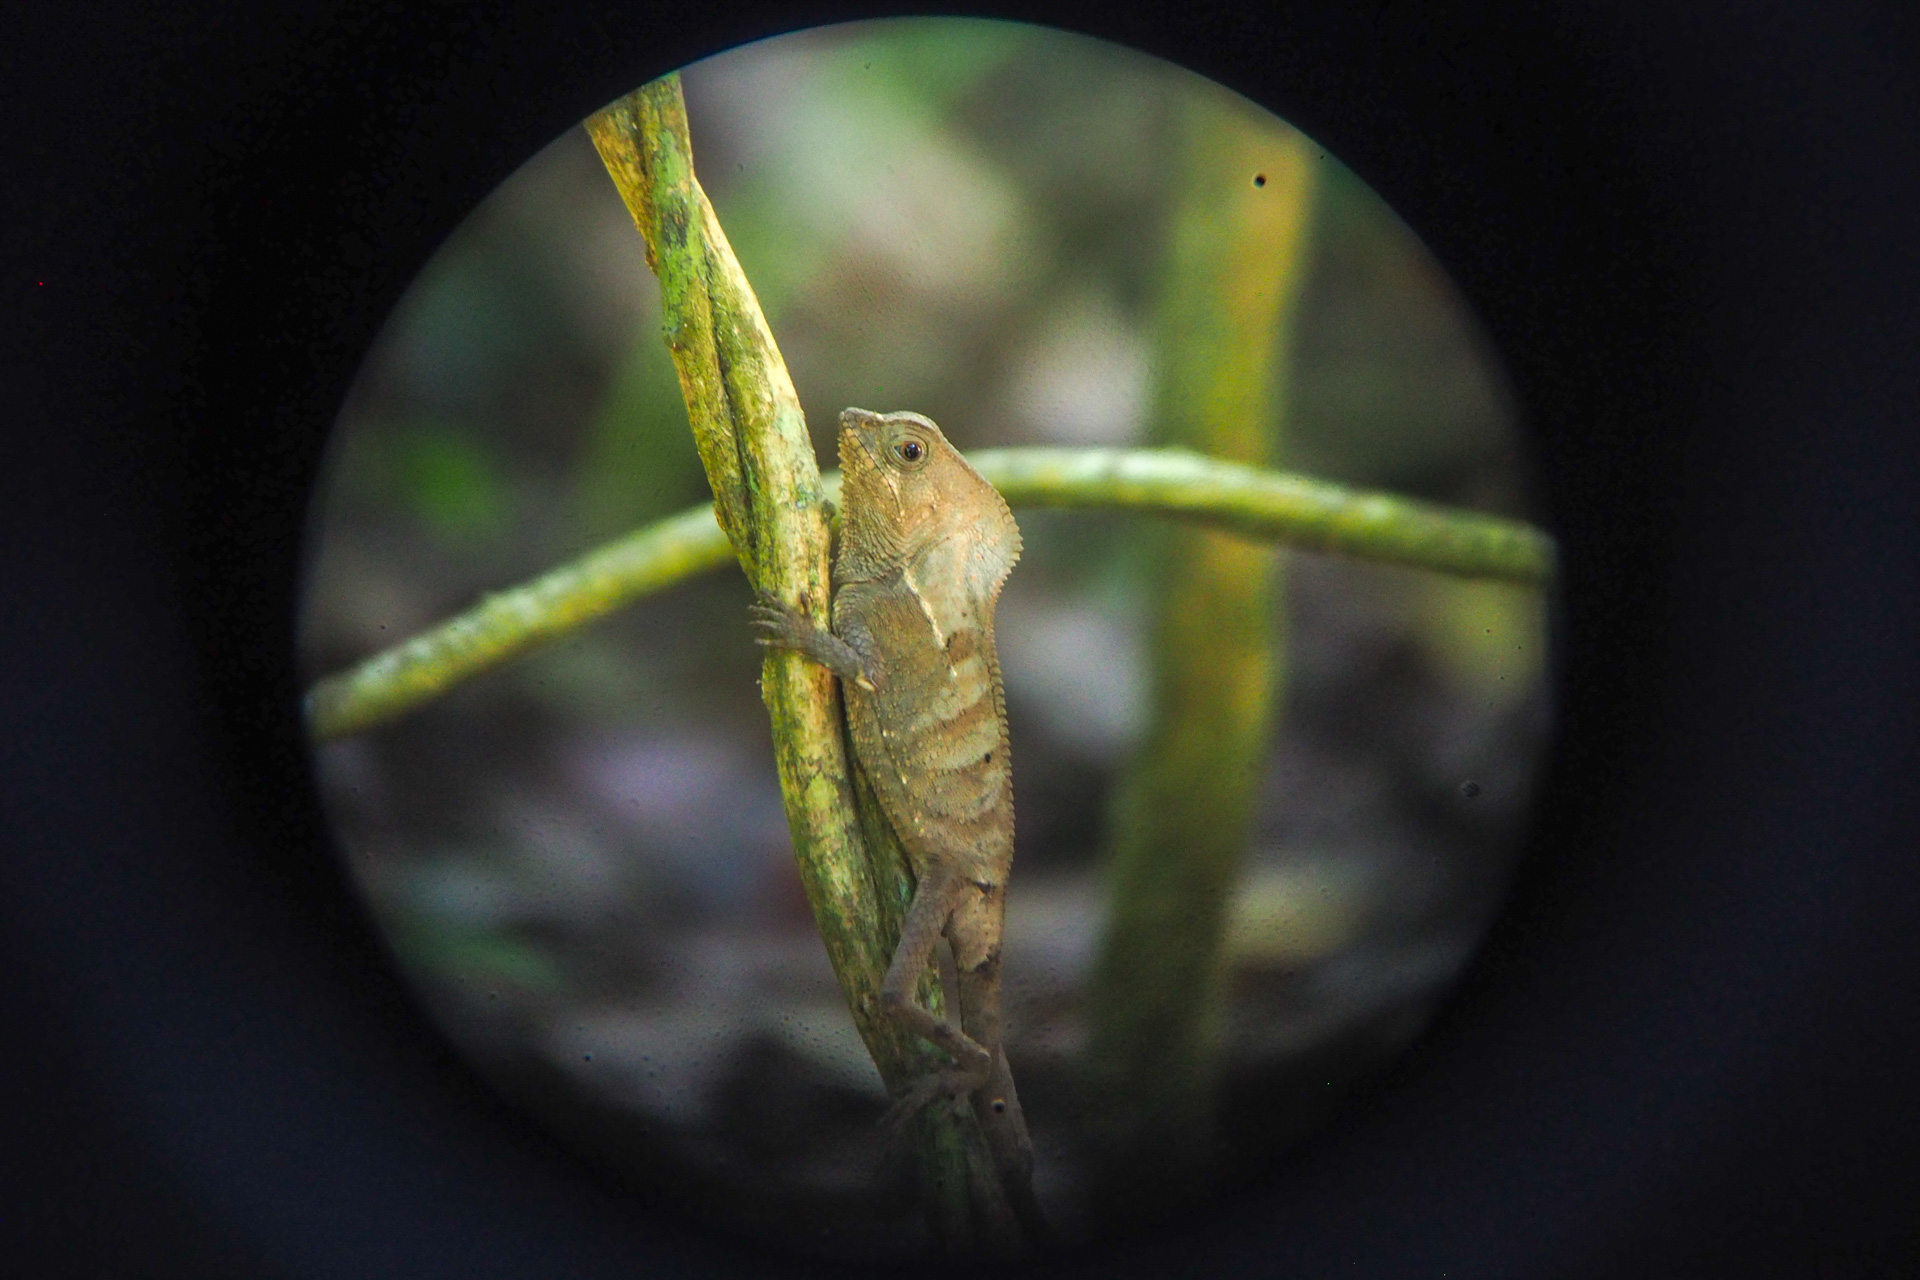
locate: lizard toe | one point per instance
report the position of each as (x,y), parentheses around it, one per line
(951,1083)
(911,1103)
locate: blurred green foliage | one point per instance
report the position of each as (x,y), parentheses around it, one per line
(448,479)
(1485,636)
(1393,388)
(478,955)
(639,463)
(921,71)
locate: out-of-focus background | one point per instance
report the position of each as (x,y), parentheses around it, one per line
(581,859)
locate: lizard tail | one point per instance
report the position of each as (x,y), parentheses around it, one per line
(1005,1127)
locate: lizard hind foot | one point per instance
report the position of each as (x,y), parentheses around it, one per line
(951,1083)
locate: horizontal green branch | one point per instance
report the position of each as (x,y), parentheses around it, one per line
(1270,505)
(508,623)
(1277,506)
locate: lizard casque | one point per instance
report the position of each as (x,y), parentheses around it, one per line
(925,546)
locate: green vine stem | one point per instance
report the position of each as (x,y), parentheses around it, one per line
(1181,810)
(768,497)
(1309,514)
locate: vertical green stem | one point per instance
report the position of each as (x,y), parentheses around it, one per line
(768,498)
(1182,813)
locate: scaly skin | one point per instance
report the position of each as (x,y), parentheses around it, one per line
(925,546)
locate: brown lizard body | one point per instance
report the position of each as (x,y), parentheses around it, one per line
(925,546)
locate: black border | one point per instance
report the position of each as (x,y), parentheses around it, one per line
(1684,1050)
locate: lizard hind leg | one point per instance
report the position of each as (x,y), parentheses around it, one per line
(933,905)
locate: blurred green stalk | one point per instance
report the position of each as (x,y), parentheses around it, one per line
(1182,811)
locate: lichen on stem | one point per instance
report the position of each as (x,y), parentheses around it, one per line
(769,500)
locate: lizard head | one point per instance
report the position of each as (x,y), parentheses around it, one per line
(906,488)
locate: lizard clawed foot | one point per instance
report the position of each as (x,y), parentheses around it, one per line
(953,1082)
(780,625)
(774,616)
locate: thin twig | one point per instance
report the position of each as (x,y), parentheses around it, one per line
(1294,510)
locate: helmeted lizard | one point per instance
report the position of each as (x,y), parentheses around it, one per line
(925,546)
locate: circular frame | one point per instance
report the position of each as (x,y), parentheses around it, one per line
(1682,1043)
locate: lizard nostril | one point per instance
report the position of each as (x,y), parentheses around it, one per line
(999,1105)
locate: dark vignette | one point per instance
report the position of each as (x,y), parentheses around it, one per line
(1682,1049)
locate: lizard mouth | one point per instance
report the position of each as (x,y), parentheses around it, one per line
(855,426)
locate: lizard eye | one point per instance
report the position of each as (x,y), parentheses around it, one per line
(910,450)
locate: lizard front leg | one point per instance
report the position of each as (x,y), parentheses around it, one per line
(781,626)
